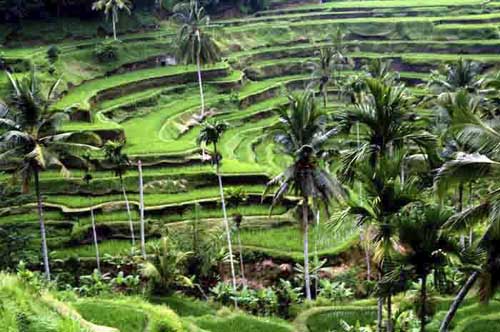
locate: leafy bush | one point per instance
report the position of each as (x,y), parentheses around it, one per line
(94,284)
(107,51)
(334,291)
(97,283)
(263,301)
(53,53)
(288,295)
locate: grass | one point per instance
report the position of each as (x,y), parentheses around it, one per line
(286,241)
(150,200)
(130,314)
(124,317)
(22,309)
(82,94)
(321,319)
(185,306)
(241,323)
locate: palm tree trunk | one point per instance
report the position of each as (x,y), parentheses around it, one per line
(94,234)
(380,310)
(141,208)
(114,23)
(226,223)
(200,83)
(423,301)
(458,300)
(365,244)
(389,313)
(305,221)
(242,265)
(127,205)
(45,251)
(460,197)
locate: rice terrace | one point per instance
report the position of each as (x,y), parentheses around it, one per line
(249,166)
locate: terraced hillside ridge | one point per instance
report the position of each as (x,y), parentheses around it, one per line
(169,184)
(153,106)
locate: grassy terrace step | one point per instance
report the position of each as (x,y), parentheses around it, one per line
(367,21)
(368,5)
(82,94)
(119,246)
(273,241)
(307,50)
(164,138)
(74,203)
(467,315)
(328,13)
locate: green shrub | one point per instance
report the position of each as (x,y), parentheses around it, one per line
(334,291)
(107,51)
(53,53)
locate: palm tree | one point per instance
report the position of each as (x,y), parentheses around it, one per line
(119,162)
(331,59)
(463,74)
(112,7)
(301,133)
(481,136)
(387,122)
(388,131)
(195,45)
(166,266)
(87,178)
(384,195)
(32,140)
(211,134)
(425,247)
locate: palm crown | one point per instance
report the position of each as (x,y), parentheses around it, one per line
(32,136)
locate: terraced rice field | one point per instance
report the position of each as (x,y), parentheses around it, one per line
(153,107)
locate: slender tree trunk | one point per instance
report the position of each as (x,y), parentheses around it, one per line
(460,197)
(389,313)
(226,223)
(242,265)
(364,242)
(45,251)
(200,83)
(141,208)
(305,221)
(380,310)
(96,244)
(114,24)
(325,96)
(458,300)
(316,259)
(423,302)
(127,205)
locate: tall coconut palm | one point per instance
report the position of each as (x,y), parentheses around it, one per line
(301,133)
(211,134)
(119,162)
(481,136)
(32,141)
(112,7)
(194,45)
